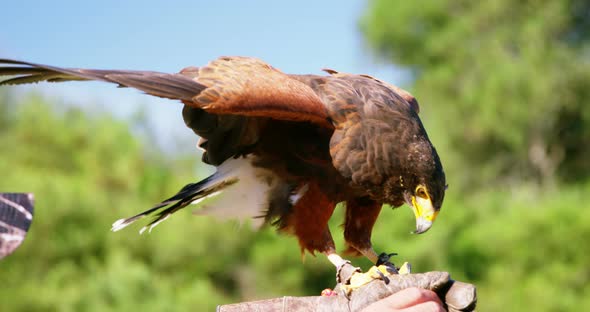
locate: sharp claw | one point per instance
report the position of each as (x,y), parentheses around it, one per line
(384,258)
(383,277)
(391,269)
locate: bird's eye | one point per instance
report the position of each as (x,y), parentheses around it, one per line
(421,191)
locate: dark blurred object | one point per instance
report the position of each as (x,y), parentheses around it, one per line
(16,215)
(457,296)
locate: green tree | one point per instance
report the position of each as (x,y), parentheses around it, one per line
(505,84)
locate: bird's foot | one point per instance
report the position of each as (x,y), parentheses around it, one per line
(359,279)
(383,260)
(381,270)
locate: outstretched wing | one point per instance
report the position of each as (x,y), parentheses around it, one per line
(228,85)
(172,86)
(368,115)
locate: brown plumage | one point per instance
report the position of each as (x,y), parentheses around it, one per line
(300,144)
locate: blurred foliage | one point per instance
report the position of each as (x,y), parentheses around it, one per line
(504,91)
(505,84)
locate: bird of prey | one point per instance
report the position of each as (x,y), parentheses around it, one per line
(288,148)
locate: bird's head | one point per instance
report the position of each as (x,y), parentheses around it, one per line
(421,185)
(425,190)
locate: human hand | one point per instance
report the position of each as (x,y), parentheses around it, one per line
(407,293)
(412,299)
(457,296)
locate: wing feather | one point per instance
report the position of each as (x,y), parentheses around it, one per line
(229,85)
(250,87)
(172,86)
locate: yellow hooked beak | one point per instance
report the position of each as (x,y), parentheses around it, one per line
(423,211)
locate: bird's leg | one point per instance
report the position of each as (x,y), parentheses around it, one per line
(308,220)
(309,223)
(344,269)
(366,251)
(361,215)
(377,259)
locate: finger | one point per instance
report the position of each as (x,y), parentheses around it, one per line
(428,306)
(410,297)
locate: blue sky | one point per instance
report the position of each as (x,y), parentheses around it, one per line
(296,37)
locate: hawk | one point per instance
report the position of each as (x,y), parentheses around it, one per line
(288,148)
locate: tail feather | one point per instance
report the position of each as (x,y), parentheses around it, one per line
(258,188)
(189,194)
